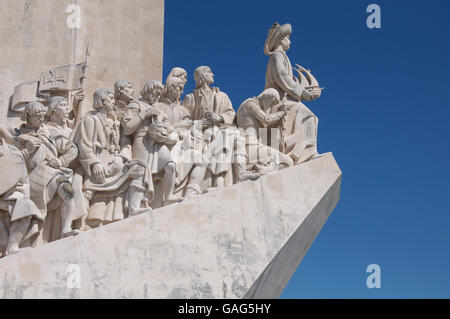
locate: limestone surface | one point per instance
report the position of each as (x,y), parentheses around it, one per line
(125,37)
(241,241)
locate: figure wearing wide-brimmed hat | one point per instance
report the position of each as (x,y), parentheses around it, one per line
(299,129)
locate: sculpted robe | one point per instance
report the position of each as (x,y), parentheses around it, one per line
(186,153)
(153,156)
(253,121)
(15,202)
(44,179)
(299,130)
(98,139)
(220,138)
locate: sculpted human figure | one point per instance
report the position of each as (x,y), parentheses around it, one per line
(60,128)
(254,118)
(169,103)
(299,131)
(224,145)
(108,168)
(152,151)
(123,94)
(48,153)
(191,165)
(20,219)
(178,72)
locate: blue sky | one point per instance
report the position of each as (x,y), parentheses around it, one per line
(384,114)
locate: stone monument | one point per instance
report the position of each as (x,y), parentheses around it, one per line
(156,196)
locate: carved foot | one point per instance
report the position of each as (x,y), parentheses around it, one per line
(172,200)
(247,176)
(137,211)
(15,250)
(72,232)
(266,169)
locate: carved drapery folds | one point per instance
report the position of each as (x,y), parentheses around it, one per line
(64,173)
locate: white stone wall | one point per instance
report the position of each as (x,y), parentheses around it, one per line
(126,41)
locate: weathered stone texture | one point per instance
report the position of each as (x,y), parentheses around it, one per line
(126,41)
(241,241)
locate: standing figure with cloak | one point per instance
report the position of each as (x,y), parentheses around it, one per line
(48,156)
(108,168)
(299,128)
(152,139)
(187,152)
(224,146)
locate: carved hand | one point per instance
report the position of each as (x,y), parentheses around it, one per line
(55,162)
(215,118)
(78,97)
(206,123)
(315,92)
(99,173)
(32,146)
(186,123)
(116,166)
(285,108)
(151,112)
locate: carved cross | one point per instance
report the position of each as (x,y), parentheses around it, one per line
(53,77)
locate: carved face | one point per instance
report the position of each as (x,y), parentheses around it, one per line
(109,103)
(128,91)
(286,43)
(208,76)
(36,120)
(269,100)
(176,91)
(63,109)
(182,77)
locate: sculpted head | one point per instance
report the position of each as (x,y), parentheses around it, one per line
(104,100)
(124,91)
(178,73)
(285,43)
(277,38)
(59,108)
(173,88)
(34,114)
(269,97)
(203,74)
(152,91)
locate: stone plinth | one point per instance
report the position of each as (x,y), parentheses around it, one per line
(243,241)
(126,42)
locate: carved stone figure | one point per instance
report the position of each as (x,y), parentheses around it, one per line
(20,220)
(48,153)
(108,167)
(225,147)
(299,132)
(123,94)
(253,119)
(178,72)
(187,153)
(151,151)
(63,173)
(60,128)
